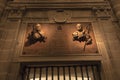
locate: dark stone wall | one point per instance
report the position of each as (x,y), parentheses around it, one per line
(15,21)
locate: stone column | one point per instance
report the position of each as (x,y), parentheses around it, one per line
(112,35)
(2,5)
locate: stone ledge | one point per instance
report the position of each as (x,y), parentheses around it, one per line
(51,5)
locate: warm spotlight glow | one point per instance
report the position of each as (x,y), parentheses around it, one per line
(79,27)
(35,79)
(79,78)
(38,27)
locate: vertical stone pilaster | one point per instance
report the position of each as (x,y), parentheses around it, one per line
(8,39)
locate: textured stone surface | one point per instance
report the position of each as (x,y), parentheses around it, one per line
(107,34)
(116,6)
(113,42)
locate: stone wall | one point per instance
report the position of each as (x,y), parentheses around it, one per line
(8,34)
(13,28)
(113,38)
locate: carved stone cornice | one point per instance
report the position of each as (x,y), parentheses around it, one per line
(102,12)
(15,12)
(65,5)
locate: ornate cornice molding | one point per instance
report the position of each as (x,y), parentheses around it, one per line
(52,5)
(18,9)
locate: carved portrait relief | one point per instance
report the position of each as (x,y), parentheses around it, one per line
(59,39)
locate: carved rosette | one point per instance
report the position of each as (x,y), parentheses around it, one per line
(61,16)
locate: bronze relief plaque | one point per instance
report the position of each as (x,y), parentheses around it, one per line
(59,39)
